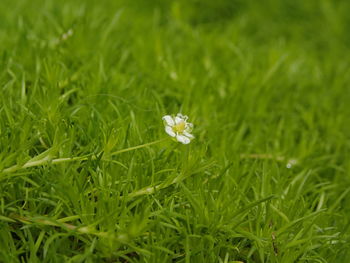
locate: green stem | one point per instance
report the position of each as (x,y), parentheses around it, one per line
(290,162)
(262,156)
(47,160)
(50,222)
(137,147)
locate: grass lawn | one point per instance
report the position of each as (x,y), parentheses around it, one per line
(88,173)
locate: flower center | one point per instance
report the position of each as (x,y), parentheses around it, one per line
(180,127)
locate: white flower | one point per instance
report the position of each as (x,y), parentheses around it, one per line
(178,127)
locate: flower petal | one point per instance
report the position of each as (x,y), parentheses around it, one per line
(169,120)
(189,127)
(184,117)
(178,120)
(188,135)
(170,131)
(182,139)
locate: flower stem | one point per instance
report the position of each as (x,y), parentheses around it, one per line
(137,147)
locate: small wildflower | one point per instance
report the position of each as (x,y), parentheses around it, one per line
(291,163)
(68,34)
(178,127)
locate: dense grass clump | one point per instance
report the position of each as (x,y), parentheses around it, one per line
(87,173)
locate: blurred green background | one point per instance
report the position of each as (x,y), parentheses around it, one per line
(257,78)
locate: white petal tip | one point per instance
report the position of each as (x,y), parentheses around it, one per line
(168,120)
(170,131)
(183,139)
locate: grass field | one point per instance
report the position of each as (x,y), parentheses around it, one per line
(88,174)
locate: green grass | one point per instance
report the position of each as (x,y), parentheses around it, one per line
(264,82)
